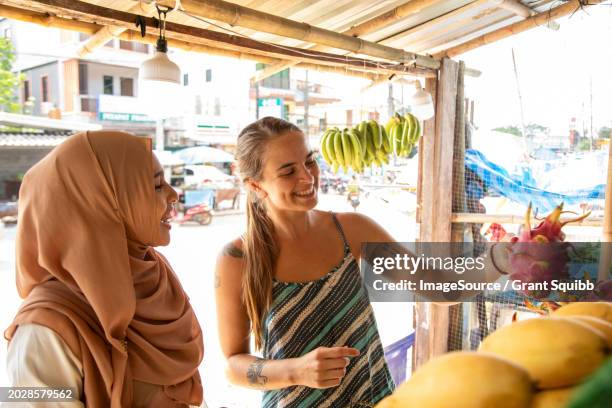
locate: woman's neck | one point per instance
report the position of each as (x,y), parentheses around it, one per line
(290,225)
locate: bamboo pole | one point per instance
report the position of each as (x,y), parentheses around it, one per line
(86,11)
(532,22)
(34,17)
(408,9)
(516,219)
(236,15)
(443,19)
(100,38)
(105,34)
(46,20)
(376,23)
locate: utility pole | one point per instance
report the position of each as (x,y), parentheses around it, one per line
(390,107)
(591,100)
(520,98)
(306,86)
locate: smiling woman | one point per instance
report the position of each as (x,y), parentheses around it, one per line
(292,283)
(104,313)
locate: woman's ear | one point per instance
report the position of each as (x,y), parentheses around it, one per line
(255,187)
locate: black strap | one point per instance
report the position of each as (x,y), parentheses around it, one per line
(341,231)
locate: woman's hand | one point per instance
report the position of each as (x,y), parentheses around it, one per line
(323,367)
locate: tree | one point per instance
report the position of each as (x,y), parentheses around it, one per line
(9,81)
(531,129)
(513,130)
(604,132)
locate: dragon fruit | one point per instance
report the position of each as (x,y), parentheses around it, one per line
(540,254)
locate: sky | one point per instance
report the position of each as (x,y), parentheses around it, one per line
(554,69)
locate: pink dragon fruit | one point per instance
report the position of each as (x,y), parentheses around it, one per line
(540,254)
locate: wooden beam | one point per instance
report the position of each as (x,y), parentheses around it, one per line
(532,22)
(605,259)
(518,8)
(440,20)
(433,320)
(108,32)
(473,218)
(86,11)
(46,20)
(236,15)
(408,9)
(367,27)
(271,70)
(100,38)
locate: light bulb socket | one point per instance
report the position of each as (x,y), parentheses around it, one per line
(162,45)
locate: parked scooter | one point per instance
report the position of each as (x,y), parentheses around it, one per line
(201,213)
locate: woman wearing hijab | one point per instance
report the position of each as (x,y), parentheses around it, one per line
(104,312)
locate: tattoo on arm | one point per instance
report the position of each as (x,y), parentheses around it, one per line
(254,373)
(232,251)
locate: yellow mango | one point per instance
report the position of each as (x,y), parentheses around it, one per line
(557,398)
(601,310)
(464,380)
(598,324)
(556,352)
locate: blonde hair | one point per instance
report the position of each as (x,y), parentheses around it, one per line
(259,246)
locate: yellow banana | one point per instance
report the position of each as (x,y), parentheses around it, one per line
(338,148)
(376,135)
(406,137)
(330,148)
(385,140)
(324,151)
(347,148)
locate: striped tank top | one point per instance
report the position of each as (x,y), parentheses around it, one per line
(331,311)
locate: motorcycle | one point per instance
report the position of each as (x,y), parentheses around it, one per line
(353,199)
(201,213)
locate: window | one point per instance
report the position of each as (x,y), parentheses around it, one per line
(133,46)
(8,33)
(349,117)
(108,85)
(83,88)
(127,87)
(26,90)
(209,75)
(217,107)
(185,79)
(44,83)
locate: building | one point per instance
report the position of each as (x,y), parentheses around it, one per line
(102,88)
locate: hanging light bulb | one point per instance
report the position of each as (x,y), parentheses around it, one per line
(160,79)
(421,103)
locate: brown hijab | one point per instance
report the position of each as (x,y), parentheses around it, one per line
(87,270)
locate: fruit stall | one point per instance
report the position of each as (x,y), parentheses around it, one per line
(539,362)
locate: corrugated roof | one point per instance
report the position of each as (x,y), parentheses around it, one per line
(31,139)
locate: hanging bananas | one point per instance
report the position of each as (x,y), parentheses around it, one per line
(370,143)
(404,132)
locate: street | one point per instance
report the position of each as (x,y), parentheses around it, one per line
(192,254)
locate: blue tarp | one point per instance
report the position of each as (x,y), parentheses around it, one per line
(517,189)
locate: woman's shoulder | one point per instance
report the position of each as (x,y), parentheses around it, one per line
(231,256)
(233,248)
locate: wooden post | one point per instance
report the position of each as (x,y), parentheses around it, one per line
(432,320)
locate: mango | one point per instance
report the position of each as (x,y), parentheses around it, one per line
(558,398)
(556,352)
(598,324)
(464,380)
(601,310)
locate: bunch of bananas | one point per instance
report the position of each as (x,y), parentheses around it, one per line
(404,132)
(358,147)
